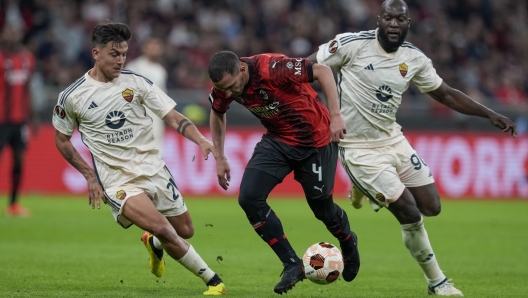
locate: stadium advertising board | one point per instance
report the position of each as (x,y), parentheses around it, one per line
(464,165)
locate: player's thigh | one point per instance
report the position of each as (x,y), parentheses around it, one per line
(167,199)
(417,177)
(374,172)
(4,135)
(269,158)
(316,173)
(140,210)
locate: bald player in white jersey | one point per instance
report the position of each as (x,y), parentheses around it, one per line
(108,106)
(374,70)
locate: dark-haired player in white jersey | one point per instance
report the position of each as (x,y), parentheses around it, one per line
(374,69)
(108,106)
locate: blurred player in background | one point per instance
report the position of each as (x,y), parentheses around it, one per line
(16,68)
(302,136)
(375,68)
(149,66)
(108,105)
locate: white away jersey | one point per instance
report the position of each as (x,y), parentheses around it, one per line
(371,83)
(113,123)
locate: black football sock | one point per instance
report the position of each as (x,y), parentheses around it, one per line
(269,228)
(214,281)
(17,171)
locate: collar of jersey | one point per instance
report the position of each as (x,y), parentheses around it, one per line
(92,81)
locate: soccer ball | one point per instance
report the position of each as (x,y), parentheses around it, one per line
(323,263)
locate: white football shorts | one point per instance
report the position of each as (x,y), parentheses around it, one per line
(383,173)
(160,188)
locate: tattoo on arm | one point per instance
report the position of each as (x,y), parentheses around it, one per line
(182,126)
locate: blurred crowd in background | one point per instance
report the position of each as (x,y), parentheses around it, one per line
(477,46)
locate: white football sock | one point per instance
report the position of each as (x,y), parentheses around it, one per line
(417,242)
(194,263)
(157,243)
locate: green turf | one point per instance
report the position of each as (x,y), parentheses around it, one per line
(66,249)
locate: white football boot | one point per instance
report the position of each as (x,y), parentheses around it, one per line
(445,288)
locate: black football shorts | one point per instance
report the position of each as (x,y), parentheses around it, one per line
(313,168)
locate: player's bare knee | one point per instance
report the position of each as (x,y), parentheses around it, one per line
(432,211)
(186,233)
(165,233)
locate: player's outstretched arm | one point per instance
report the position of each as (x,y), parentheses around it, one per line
(218,129)
(462,103)
(187,129)
(323,74)
(313,57)
(66,149)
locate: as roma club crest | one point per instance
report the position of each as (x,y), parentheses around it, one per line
(121,195)
(403,69)
(128,95)
(332,47)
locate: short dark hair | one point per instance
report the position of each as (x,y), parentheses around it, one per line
(222,63)
(110,32)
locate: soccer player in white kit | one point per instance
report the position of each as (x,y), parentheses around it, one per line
(108,106)
(374,69)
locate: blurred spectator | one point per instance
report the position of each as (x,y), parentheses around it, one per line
(149,66)
(474,43)
(16,69)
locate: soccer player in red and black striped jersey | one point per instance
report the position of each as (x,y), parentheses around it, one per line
(16,68)
(302,136)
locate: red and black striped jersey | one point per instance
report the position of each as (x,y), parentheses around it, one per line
(16,70)
(278,93)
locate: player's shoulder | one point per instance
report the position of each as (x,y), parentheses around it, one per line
(413,50)
(73,90)
(354,37)
(129,75)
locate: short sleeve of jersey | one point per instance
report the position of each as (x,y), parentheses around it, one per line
(156,100)
(64,116)
(339,51)
(219,102)
(289,70)
(426,79)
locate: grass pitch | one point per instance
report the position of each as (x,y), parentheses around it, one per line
(66,249)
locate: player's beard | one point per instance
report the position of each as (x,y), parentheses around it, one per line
(388,45)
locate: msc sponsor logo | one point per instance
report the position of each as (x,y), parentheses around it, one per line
(59,112)
(384,93)
(128,95)
(403,69)
(115,119)
(332,47)
(298,66)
